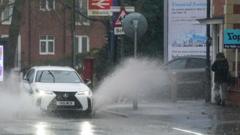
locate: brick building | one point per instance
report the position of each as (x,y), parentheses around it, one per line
(225,14)
(46,32)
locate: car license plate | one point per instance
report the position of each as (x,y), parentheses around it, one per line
(65,103)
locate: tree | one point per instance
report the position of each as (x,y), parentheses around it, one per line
(13,33)
(152,44)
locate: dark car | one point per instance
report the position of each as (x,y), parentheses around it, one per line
(188,74)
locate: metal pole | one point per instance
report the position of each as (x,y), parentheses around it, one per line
(208,83)
(165,31)
(135,24)
(73,34)
(236,63)
(29,32)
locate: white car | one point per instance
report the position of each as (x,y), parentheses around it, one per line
(58,88)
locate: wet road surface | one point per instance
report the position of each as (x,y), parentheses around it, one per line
(192,118)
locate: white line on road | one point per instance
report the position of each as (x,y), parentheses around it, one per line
(188,131)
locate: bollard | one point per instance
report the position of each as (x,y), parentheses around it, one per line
(173,87)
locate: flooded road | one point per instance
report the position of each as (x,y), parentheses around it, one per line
(181,118)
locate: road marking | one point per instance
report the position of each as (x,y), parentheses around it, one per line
(187,131)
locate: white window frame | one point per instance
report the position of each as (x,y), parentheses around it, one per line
(6,20)
(46,7)
(81,20)
(47,40)
(4,36)
(80,46)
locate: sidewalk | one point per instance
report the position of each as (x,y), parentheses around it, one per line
(195,114)
(163,108)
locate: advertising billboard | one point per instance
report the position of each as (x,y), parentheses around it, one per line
(185,35)
(1,63)
(231,38)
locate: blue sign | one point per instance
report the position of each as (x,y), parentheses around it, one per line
(232,38)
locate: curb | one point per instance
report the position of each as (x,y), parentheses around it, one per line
(116,113)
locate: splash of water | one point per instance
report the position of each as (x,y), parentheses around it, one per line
(14,101)
(133,77)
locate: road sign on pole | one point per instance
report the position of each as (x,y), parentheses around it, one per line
(127,8)
(118,30)
(99,7)
(135,25)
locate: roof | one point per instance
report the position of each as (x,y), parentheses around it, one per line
(212,20)
(53,68)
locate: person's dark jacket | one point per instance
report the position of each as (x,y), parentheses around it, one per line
(221,70)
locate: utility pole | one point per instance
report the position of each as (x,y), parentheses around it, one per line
(29,31)
(208,43)
(73,33)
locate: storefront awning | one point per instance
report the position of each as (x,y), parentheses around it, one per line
(213,20)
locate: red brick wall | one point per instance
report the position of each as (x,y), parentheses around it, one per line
(218,7)
(52,23)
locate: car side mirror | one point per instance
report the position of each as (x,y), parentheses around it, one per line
(87,81)
(26,80)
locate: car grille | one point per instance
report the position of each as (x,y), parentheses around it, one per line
(64,96)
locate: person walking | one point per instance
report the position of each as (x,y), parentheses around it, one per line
(221,69)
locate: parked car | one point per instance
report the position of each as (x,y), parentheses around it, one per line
(58,88)
(188,73)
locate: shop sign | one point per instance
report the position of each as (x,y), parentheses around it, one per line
(231,38)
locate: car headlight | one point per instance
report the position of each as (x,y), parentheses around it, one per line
(43,92)
(84,93)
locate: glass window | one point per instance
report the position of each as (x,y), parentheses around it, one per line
(6,15)
(81,6)
(50,4)
(47,45)
(50,46)
(57,76)
(83,44)
(196,63)
(43,37)
(30,76)
(43,47)
(177,64)
(47,5)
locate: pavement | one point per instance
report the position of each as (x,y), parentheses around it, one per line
(191,114)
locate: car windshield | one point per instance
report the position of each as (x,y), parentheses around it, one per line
(57,76)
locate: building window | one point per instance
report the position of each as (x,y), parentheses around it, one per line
(236,9)
(47,45)
(47,5)
(6,15)
(82,8)
(82,44)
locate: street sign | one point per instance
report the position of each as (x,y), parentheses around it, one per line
(119,8)
(135,23)
(1,63)
(232,38)
(99,7)
(118,30)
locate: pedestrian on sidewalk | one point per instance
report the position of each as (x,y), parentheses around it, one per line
(221,69)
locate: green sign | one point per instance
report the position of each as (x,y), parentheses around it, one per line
(232,38)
